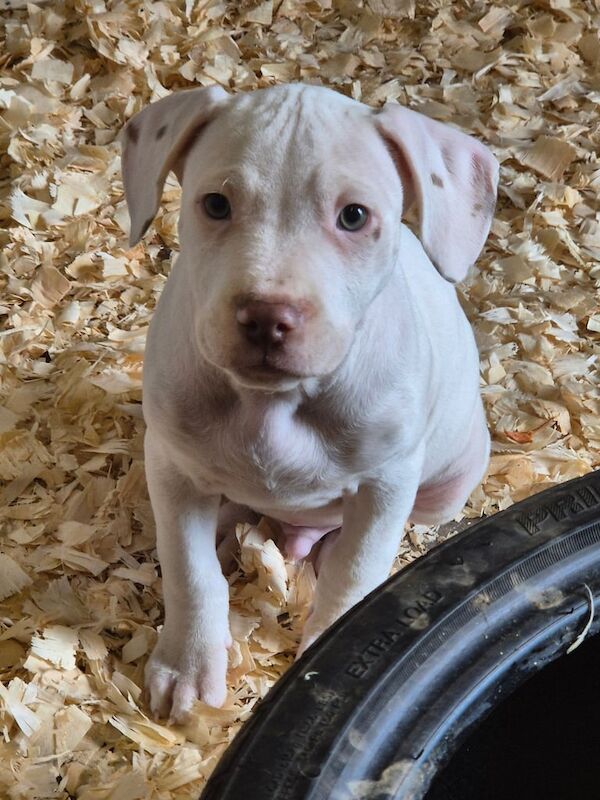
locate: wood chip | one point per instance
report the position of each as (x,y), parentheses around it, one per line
(549,156)
(12,578)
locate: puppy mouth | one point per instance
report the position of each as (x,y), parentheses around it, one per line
(268,368)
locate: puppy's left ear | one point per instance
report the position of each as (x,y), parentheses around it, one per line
(155,141)
(453,180)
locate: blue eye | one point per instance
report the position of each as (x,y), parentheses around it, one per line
(352,217)
(216,206)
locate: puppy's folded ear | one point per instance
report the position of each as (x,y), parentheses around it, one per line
(453,180)
(153,142)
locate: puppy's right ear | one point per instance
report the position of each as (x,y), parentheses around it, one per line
(153,141)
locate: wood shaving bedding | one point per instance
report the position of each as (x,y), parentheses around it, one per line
(79,580)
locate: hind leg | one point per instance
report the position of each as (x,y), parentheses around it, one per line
(443,498)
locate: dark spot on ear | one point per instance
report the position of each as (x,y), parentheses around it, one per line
(436,180)
(161,131)
(133,132)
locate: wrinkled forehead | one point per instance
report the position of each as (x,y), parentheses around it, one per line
(271,137)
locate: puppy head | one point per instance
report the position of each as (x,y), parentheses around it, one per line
(290,218)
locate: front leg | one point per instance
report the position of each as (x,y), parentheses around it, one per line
(362,555)
(190,658)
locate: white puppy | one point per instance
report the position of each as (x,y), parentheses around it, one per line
(308,360)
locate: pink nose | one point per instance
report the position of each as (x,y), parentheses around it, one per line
(267,324)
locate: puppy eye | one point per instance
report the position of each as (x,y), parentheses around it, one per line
(216,205)
(352,217)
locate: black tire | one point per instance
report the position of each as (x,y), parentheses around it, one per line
(385,697)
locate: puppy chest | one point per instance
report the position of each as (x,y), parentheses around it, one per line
(270,456)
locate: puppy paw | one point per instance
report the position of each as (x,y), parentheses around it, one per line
(321,617)
(312,631)
(182,670)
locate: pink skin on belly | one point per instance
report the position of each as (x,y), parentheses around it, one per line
(299,540)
